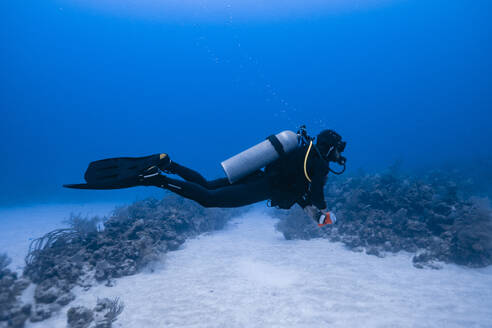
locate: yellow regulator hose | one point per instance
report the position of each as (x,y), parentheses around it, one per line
(305,161)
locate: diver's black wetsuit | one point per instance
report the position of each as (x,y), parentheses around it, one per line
(283,182)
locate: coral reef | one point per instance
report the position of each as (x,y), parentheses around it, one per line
(429,216)
(44,251)
(471,177)
(88,252)
(107,311)
(103,315)
(12,312)
(83,225)
(79,317)
(4,261)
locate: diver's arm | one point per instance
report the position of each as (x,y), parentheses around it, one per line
(317,209)
(319,177)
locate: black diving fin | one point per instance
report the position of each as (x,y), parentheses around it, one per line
(122,172)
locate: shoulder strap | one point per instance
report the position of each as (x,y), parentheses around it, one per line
(277,145)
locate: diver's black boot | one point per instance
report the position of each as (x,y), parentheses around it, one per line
(164,163)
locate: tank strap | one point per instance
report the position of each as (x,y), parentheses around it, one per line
(277,145)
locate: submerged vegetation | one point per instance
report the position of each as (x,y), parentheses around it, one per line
(114,308)
(429,215)
(12,311)
(84,225)
(434,216)
(4,261)
(43,250)
(103,315)
(84,254)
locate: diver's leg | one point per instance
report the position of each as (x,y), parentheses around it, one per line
(193,176)
(234,195)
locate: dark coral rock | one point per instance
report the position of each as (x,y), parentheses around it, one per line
(20,285)
(42,312)
(423,257)
(373,251)
(471,242)
(79,317)
(103,270)
(18,321)
(65,298)
(4,263)
(392,212)
(50,290)
(173,245)
(132,237)
(128,268)
(12,313)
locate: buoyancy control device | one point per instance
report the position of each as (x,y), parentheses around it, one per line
(274,147)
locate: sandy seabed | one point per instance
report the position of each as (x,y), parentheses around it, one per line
(248,275)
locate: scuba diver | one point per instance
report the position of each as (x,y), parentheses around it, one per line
(295,171)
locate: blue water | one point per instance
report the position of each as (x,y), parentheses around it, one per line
(406,80)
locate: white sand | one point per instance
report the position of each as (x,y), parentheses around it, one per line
(249,276)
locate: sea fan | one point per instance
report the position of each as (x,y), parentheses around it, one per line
(84,226)
(113,308)
(42,251)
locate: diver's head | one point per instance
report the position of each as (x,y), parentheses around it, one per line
(331,146)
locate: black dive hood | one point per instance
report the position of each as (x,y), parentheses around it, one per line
(329,146)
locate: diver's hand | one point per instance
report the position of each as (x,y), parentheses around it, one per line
(326,217)
(321,217)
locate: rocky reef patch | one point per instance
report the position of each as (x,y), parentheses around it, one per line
(12,312)
(103,315)
(95,250)
(429,216)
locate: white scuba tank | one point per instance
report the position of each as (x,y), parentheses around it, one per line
(258,156)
